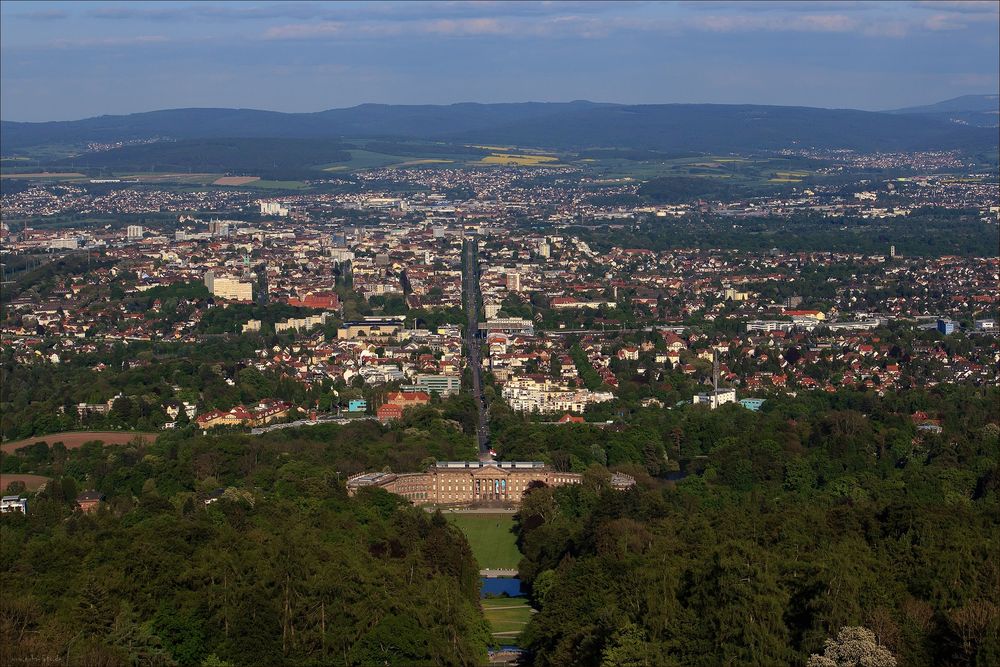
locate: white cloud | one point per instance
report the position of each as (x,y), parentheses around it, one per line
(42,15)
(132,40)
(940,22)
(305,30)
(788,23)
(962,6)
(886,24)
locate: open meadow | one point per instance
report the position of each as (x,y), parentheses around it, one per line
(493,544)
(507,618)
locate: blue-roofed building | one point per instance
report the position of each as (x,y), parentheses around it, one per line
(752,403)
(947,327)
(357,405)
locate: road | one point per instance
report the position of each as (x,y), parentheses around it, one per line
(471,289)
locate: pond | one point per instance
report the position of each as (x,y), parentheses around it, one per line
(506,648)
(500,585)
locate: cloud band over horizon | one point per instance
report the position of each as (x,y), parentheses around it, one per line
(64,60)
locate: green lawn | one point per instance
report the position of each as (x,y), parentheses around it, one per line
(506,616)
(493,544)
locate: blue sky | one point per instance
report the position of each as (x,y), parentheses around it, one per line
(65,60)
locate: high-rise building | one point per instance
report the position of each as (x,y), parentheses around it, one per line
(65,243)
(732,294)
(218,228)
(513,282)
(793,302)
(444,385)
(341,254)
(227,287)
(272,208)
(134,232)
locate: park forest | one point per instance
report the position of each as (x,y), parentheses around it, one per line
(793,535)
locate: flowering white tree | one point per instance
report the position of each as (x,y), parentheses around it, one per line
(853,647)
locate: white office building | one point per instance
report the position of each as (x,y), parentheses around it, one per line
(715,398)
(227,287)
(272,208)
(13,504)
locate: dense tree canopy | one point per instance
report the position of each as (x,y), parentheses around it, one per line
(791,525)
(281,568)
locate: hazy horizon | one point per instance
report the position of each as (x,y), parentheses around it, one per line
(73,60)
(445,104)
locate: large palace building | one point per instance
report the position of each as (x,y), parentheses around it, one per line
(471,482)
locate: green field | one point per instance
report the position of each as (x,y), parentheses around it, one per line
(507,617)
(493,544)
(745,171)
(275,185)
(362,159)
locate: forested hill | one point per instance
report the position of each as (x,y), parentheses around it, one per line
(364,120)
(571,125)
(981,110)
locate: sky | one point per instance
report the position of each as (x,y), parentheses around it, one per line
(69,60)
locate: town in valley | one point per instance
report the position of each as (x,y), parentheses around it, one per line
(460,333)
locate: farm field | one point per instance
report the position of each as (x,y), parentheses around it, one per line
(235,180)
(493,544)
(740,172)
(173,177)
(45,174)
(276,185)
(31,482)
(365,159)
(362,159)
(74,439)
(424,161)
(519,159)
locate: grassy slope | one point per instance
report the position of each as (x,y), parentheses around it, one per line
(491,539)
(507,615)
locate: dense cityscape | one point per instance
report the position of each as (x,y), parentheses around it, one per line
(561,319)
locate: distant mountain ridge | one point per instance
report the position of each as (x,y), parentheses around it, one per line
(979,110)
(364,120)
(962,103)
(561,125)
